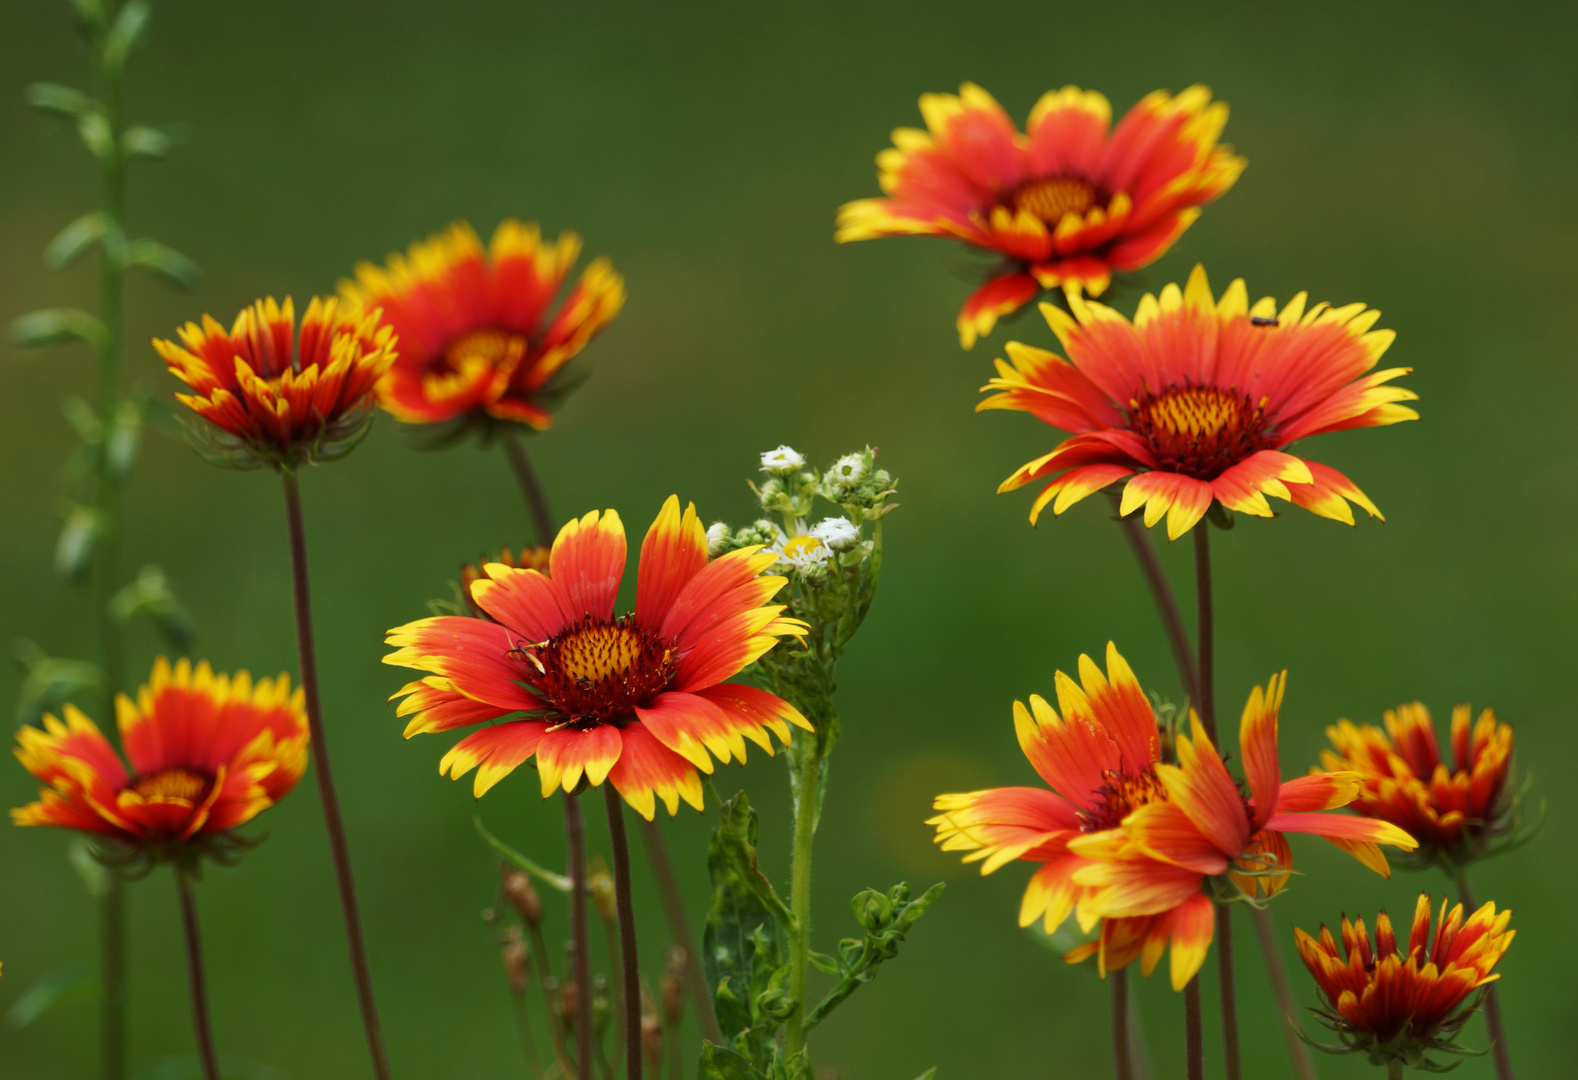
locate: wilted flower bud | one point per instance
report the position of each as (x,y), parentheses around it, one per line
(522,896)
(600,887)
(719,541)
(838,533)
(782,461)
(517,961)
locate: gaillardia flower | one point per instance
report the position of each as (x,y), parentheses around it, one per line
(207,753)
(271,400)
(1399,1005)
(531,557)
(1067,203)
(1196,400)
(478,334)
(1458,814)
(639,699)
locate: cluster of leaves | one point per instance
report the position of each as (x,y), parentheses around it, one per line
(745,953)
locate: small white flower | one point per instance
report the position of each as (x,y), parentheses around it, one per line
(849,470)
(838,533)
(782,461)
(717,538)
(802,551)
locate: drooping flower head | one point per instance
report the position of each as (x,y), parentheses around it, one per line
(1400,1004)
(207,753)
(1197,400)
(1457,814)
(272,399)
(639,699)
(479,336)
(1066,204)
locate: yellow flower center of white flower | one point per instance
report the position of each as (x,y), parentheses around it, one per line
(804,547)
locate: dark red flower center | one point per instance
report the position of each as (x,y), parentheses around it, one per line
(597,672)
(1050,198)
(187,784)
(1199,431)
(1120,796)
(490,347)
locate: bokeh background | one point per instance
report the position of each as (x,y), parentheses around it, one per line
(1419,157)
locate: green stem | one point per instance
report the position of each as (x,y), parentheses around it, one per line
(629,959)
(112,975)
(1205,646)
(1498,1033)
(531,487)
(807,782)
(575,837)
(195,975)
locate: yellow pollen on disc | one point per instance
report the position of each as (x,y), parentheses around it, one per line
(598,652)
(1050,199)
(801,547)
(1199,411)
(172,784)
(488,347)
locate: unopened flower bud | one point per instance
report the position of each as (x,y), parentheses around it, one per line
(838,533)
(782,461)
(718,539)
(522,896)
(567,1003)
(517,961)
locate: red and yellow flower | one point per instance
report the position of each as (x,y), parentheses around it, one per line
(1128,841)
(639,699)
(1068,203)
(207,753)
(532,557)
(276,400)
(478,334)
(1401,1004)
(1456,814)
(1196,401)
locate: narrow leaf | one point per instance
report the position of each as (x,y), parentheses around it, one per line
(56,326)
(150,595)
(59,987)
(165,262)
(74,549)
(96,134)
(129,32)
(125,436)
(61,100)
(720,1063)
(145,142)
(548,877)
(49,681)
(73,240)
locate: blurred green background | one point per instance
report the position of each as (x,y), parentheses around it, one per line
(1418,157)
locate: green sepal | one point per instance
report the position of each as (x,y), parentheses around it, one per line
(69,244)
(56,326)
(164,262)
(150,595)
(60,100)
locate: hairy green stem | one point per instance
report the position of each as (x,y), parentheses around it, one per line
(629,958)
(194,971)
(808,780)
(1498,1033)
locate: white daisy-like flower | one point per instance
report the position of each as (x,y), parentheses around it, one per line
(848,470)
(801,551)
(717,538)
(838,533)
(782,461)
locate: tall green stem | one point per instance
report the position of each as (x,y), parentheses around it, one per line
(575,837)
(808,780)
(1498,1033)
(195,975)
(629,959)
(112,978)
(531,487)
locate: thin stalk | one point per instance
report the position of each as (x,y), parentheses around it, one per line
(1265,930)
(679,927)
(1194,1046)
(612,937)
(676,1053)
(800,887)
(194,971)
(528,1042)
(1122,1068)
(308,654)
(1394,1069)
(1162,594)
(627,932)
(1498,1033)
(575,835)
(112,976)
(531,486)
(1225,978)
(1205,639)
(546,981)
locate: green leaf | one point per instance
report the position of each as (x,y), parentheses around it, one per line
(120,449)
(129,32)
(150,595)
(929,1074)
(547,877)
(73,240)
(145,142)
(60,987)
(886,918)
(74,549)
(743,945)
(48,682)
(721,1063)
(165,262)
(823,962)
(94,127)
(56,326)
(61,100)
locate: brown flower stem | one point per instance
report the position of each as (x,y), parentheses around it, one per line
(1205,638)
(1194,1049)
(528,1042)
(1498,1033)
(575,836)
(627,932)
(1298,1053)
(1225,977)
(531,486)
(194,971)
(1166,602)
(112,978)
(545,980)
(1122,1069)
(308,654)
(679,927)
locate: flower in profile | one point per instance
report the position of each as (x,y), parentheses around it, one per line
(1458,814)
(207,753)
(479,337)
(1196,401)
(1066,204)
(1401,1005)
(638,700)
(272,399)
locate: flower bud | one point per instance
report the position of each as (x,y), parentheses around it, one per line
(517,961)
(522,896)
(719,540)
(849,470)
(839,534)
(783,461)
(672,985)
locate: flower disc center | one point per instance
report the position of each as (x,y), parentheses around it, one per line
(1120,796)
(1199,431)
(1055,196)
(486,348)
(184,784)
(600,671)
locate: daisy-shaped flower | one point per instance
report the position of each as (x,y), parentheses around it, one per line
(1398,1005)
(1068,203)
(638,700)
(1197,825)
(271,399)
(207,753)
(1458,814)
(1197,400)
(479,335)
